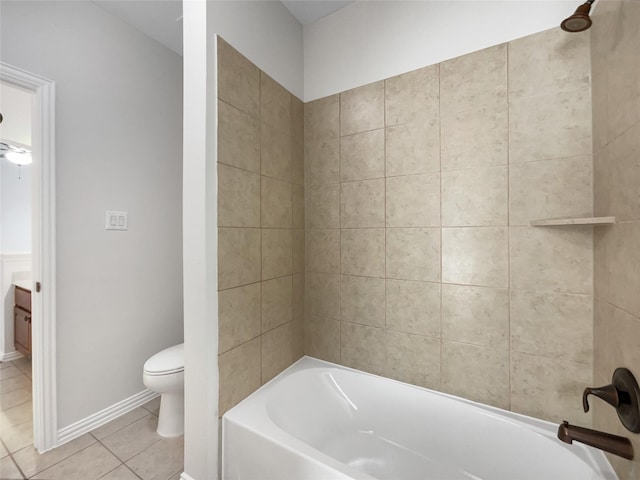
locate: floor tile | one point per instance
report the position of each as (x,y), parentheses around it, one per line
(23,364)
(134,438)
(14,398)
(5,365)
(119,423)
(15,383)
(88,464)
(3,450)
(16,415)
(160,461)
(31,462)
(176,476)
(16,438)
(9,372)
(9,470)
(120,473)
(153,405)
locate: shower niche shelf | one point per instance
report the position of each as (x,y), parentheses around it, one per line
(559,222)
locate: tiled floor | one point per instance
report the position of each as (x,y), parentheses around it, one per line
(127,448)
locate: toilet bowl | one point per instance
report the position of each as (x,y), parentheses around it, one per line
(164,373)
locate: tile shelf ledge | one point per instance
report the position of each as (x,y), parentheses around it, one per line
(558,222)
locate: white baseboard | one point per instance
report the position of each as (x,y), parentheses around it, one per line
(7,357)
(96,420)
(184,476)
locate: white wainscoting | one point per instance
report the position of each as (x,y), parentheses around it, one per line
(13,266)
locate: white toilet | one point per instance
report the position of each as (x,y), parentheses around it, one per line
(164,373)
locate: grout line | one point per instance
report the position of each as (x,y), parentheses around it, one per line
(340,359)
(441,228)
(509,339)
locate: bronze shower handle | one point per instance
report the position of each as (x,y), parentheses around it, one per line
(609,394)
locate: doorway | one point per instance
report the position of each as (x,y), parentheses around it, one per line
(42,273)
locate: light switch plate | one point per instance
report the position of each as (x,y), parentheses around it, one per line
(117,220)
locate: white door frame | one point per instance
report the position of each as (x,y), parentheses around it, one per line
(43,323)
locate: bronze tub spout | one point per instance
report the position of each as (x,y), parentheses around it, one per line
(614,444)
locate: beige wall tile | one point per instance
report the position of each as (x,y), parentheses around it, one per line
(238,257)
(603,364)
(475,197)
(363,347)
(602,183)
(413,96)
(413,148)
(549,62)
(322,250)
(476,372)
(599,109)
(623,72)
(239,373)
(239,316)
(277,351)
(277,258)
(238,197)
(275,203)
(552,325)
(322,295)
(298,250)
(275,153)
(297,340)
(552,259)
(322,119)
(297,118)
(413,254)
(624,167)
(297,206)
(548,388)
(413,359)
(601,240)
(413,201)
(362,300)
(277,302)
(478,315)
(476,137)
(550,189)
(362,156)
(323,206)
(322,338)
(550,126)
(623,266)
(362,204)
(362,109)
(322,162)
(413,307)
(298,297)
(238,79)
(239,138)
(362,252)
(275,104)
(297,160)
(475,256)
(474,80)
(623,338)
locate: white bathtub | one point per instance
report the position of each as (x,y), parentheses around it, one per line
(318,420)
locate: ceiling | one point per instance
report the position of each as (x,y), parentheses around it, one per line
(162,19)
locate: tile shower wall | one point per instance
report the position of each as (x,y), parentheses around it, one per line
(260,227)
(420,264)
(616,131)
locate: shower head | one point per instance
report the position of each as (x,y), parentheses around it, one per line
(580,20)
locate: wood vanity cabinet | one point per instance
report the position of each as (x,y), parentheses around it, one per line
(22,320)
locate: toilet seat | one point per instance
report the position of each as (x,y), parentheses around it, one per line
(166,362)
